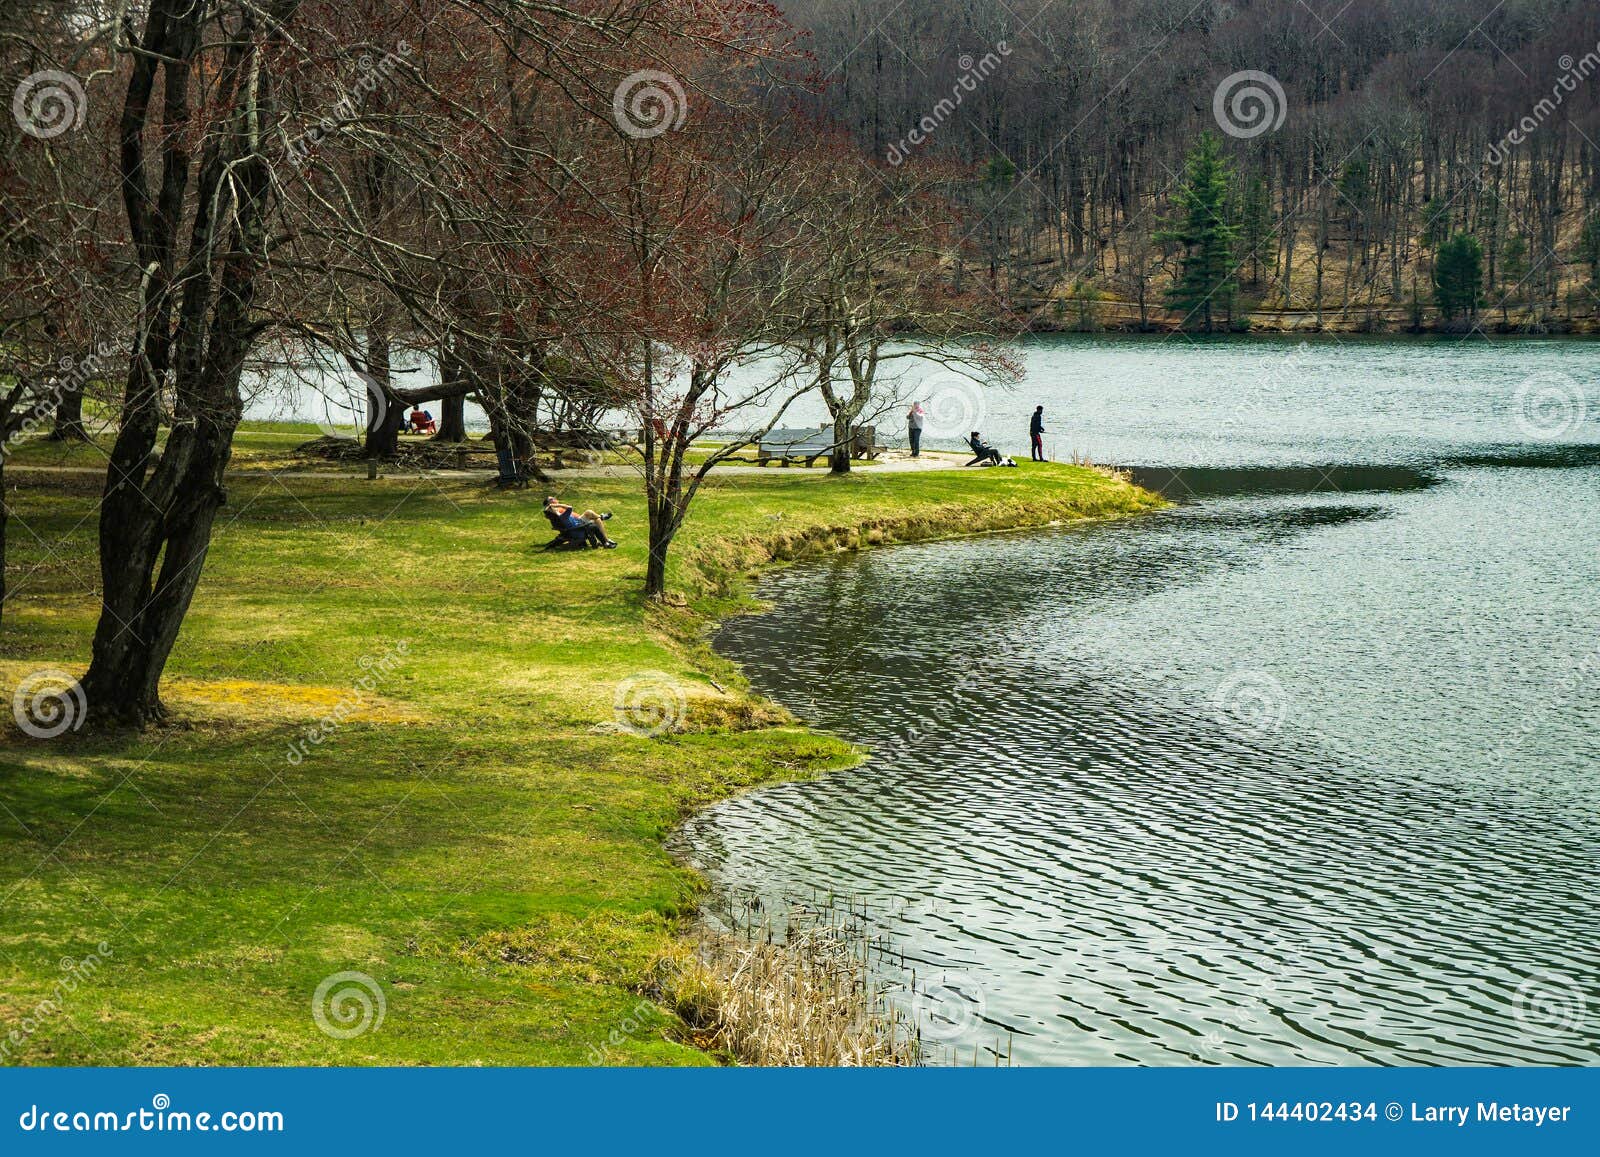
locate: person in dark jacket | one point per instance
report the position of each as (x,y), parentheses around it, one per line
(983,454)
(587,528)
(1036,433)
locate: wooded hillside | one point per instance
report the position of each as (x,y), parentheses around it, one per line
(1379,128)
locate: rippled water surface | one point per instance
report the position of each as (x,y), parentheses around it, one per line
(1302,771)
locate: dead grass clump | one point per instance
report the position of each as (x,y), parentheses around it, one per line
(805,997)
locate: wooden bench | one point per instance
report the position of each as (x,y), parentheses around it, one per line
(864,442)
(801,445)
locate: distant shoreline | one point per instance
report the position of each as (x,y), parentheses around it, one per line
(1383,321)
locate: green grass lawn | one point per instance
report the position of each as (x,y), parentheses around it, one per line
(259,445)
(477,834)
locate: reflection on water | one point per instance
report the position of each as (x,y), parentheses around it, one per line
(1181,483)
(1302,771)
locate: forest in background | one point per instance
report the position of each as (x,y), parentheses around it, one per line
(1400,123)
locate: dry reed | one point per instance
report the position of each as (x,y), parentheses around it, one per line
(802,994)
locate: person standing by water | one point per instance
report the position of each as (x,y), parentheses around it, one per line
(914,419)
(1036,433)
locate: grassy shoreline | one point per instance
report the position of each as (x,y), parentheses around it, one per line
(398,751)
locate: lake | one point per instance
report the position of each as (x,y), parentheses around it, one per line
(1304,770)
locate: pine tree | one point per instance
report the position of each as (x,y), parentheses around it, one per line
(1206,237)
(1458,277)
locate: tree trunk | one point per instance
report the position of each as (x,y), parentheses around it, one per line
(655,569)
(385,412)
(142,611)
(664,521)
(383,428)
(523,447)
(839,456)
(69,418)
(513,442)
(452,420)
(198,331)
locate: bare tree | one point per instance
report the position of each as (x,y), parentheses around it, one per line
(877,297)
(198,219)
(60,311)
(705,224)
(238,235)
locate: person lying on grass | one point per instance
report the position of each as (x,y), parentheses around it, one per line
(586,529)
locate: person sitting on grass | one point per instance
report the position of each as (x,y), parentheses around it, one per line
(984,455)
(574,529)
